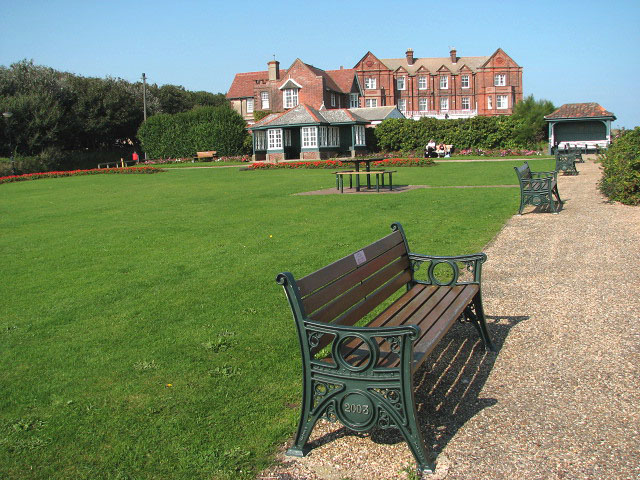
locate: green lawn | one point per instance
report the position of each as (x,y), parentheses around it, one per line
(142,332)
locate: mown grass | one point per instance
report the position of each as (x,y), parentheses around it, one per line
(142,333)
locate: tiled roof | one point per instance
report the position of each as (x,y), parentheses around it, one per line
(580,110)
(243,83)
(342,78)
(372,114)
(433,64)
(306,115)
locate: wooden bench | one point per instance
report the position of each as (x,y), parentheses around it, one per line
(360,372)
(212,154)
(379,174)
(537,188)
(566,162)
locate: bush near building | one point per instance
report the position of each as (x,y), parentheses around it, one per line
(621,169)
(202,129)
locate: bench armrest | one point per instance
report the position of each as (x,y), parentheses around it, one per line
(552,173)
(473,263)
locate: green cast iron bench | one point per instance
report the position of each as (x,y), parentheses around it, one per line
(566,162)
(362,374)
(537,188)
(379,174)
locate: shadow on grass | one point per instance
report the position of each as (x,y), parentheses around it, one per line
(447,386)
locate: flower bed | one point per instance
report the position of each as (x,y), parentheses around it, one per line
(333,164)
(74,173)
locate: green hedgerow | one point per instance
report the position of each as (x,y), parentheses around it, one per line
(621,164)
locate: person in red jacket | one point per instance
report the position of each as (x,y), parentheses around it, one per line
(135,157)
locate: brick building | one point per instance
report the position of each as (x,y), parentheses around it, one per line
(276,90)
(447,87)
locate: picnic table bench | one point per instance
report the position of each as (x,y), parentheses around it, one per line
(362,374)
(212,154)
(537,188)
(379,174)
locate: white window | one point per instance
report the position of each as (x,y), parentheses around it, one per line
(328,136)
(499,80)
(464,81)
(444,103)
(489,103)
(371,102)
(422,104)
(287,138)
(322,136)
(275,138)
(502,102)
(422,83)
(333,99)
(309,137)
(466,103)
(401,83)
(290,97)
(249,105)
(402,105)
(261,139)
(264,97)
(370,83)
(444,82)
(359,131)
(354,100)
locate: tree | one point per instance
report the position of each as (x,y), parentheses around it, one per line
(529,114)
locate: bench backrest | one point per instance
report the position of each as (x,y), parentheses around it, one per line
(523,171)
(206,154)
(346,290)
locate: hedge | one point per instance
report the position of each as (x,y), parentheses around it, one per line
(183,134)
(621,169)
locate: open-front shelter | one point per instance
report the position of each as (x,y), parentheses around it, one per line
(586,125)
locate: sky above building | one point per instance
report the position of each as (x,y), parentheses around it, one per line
(570,51)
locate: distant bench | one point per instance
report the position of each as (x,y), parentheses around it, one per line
(379,174)
(212,154)
(537,188)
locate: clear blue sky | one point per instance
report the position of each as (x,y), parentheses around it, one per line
(571,51)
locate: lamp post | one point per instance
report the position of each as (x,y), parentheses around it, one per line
(7,116)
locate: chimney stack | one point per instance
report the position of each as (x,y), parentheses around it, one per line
(274,70)
(409,55)
(454,58)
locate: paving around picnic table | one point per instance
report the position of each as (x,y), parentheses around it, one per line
(560,399)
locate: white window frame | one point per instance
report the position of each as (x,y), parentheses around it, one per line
(264,98)
(466,100)
(423,104)
(371,102)
(370,83)
(464,81)
(250,105)
(401,83)
(290,97)
(402,104)
(423,83)
(500,80)
(502,102)
(489,102)
(444,104)
(309,137)
(275,139)
(261,139)
(354,100)
(359,135)
(333,99)
(444,82)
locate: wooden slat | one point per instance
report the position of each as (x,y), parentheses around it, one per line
(341,304)
(341,267)
(323,296)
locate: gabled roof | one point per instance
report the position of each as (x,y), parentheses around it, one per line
(580,111)
(343,78)
(374,114)
(243,83)
(306,115)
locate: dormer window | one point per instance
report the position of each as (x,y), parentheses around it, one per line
(290,97)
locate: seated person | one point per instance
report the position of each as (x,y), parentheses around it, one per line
(430,150)
(441,150)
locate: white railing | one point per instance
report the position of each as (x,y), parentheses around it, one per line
(416,115)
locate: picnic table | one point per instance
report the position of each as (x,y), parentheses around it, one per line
(357,162)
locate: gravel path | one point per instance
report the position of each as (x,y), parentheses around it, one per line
(561,397)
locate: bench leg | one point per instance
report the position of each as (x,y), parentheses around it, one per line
(377,183)
(305,426)
(337,182)
(474,313)
(411,431)
(342,183)
(390,182)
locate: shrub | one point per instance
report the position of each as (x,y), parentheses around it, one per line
(621,164)
(183,134)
